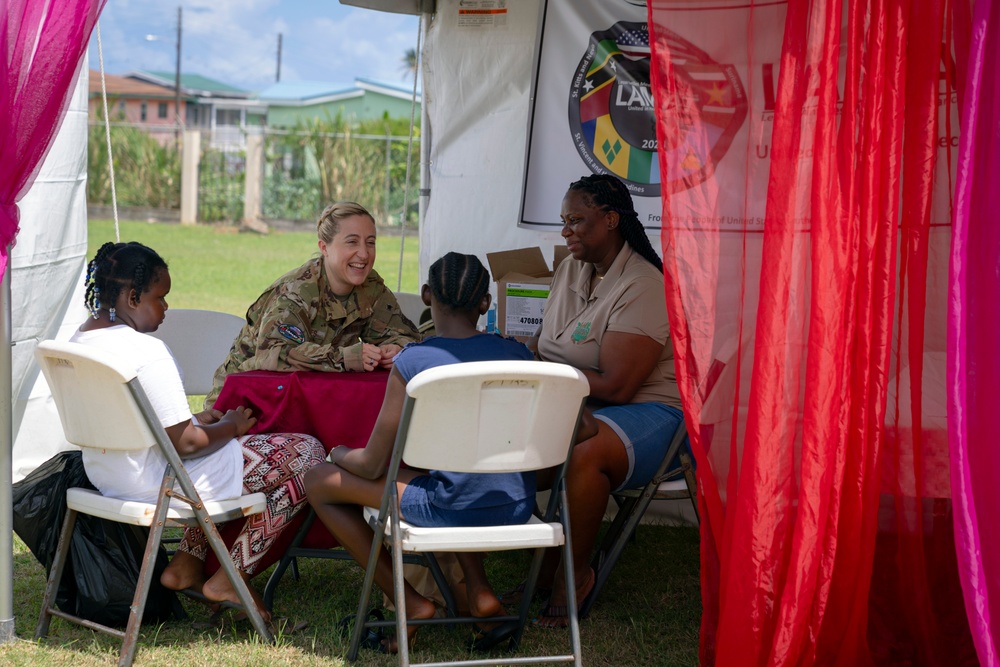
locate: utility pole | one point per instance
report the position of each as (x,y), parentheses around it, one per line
(277,76)
(177,78)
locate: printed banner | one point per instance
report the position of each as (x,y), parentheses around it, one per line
(593,111)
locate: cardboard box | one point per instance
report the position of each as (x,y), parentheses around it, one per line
(523,280)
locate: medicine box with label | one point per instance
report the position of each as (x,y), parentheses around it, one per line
(522,278)
(525,305)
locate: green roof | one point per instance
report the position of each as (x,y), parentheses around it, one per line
(196,82)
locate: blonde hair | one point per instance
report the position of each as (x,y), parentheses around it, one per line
(329,221)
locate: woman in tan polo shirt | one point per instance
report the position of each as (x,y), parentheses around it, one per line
(606,315)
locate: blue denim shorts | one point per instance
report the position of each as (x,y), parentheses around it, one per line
(416,507)
(646,429)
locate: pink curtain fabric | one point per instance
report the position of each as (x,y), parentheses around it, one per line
(973,323)
(43,42)
(811,341)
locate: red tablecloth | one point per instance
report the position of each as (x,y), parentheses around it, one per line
(337,408)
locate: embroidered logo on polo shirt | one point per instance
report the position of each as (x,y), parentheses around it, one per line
(580,332)
(292,333)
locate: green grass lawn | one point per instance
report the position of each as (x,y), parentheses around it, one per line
(649,613)
(215,267)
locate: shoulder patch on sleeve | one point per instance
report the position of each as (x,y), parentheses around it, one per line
(292,333)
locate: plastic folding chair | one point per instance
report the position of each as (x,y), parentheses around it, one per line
(482,417)
(412,306)
(199,341)
(102,405)
(676,484)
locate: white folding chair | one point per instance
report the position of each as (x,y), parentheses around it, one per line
(102,405)
(412,306)
(199,341)
(482,417)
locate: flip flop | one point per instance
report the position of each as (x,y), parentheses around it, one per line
(561,612)
(374,638)
(286,626)
(514,596)
(486,640)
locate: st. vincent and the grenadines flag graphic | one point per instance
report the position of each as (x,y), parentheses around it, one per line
(611,110)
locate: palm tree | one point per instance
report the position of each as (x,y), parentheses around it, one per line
(408,66)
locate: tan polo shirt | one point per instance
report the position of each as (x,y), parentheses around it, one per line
(629,299)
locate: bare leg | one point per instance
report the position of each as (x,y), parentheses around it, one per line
(219,588)
(337,496)
(483,602)
(589,428)
(183,572)
(597,466)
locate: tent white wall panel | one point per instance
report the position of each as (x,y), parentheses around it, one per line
(47,266)
(477,87)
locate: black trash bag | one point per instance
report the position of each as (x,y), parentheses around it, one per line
(102,570)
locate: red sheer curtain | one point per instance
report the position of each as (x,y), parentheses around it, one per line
(811,348)
(43,45)
(973,374)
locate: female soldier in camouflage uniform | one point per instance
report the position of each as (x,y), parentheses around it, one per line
(333,313)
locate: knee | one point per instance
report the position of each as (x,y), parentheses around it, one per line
(591,455)
(315,480)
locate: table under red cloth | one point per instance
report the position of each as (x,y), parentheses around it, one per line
(336,408)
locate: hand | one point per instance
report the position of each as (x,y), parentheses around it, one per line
(209,416)
(371,356)
(242,418)
(389,351)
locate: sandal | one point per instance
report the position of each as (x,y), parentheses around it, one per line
(485,640)
(286,626)
(558,614)
(374,639)
(514,596)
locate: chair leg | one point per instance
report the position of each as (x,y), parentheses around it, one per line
(55,574)
(288,558)
(529,590)
(690,478)
(130,644)
(366,591)
(571,602)
(241,587)
(399,587)
(431,563)
(621,531)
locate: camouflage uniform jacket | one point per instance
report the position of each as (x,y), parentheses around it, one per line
(299,324)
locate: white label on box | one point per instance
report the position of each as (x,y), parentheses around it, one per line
(524,307)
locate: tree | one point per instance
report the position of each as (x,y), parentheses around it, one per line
(408,66)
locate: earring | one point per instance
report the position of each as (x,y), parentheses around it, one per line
(111,314)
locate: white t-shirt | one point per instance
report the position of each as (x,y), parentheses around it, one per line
(137,474)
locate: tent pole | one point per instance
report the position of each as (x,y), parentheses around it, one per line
(6,465)
(409,160)
(425,156)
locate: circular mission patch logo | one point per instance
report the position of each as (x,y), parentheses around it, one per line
(611,110)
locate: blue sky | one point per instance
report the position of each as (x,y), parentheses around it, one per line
(235,41)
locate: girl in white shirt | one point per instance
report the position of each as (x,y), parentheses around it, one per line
(127,285)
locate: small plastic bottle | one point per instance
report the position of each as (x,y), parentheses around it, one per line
(491,318)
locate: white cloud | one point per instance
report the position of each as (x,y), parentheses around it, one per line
(235,41)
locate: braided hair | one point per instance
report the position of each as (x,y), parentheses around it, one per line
(608,192)
(459,281)
(117,267)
